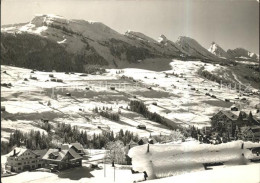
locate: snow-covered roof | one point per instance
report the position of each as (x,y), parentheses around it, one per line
(60,154)
(18,151)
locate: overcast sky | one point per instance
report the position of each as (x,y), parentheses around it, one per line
(230,23)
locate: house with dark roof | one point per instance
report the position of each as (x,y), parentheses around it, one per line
(77,147)
(58,159)
(229,122)
(224,122)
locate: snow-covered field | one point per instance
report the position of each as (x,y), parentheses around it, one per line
(179,97)
(236,174)
(80,174)
(165,160)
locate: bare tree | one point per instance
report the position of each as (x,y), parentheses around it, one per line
(176,135)
(117,153)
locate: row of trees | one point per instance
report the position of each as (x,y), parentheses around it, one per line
(139,107)
(65,133)
(105,113)
(31,140)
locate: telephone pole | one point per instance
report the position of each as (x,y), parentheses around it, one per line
(114,169)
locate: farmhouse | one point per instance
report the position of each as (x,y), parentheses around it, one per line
(229,121)
(62,158)
(77,147)
(250,133)
(22,159)
(141,127)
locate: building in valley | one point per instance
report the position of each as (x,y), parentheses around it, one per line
(229,123)
(22,159)
(64,157)
(250,133)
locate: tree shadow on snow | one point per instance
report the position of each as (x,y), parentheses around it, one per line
(76,173)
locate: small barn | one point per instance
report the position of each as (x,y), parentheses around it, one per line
(112,88)
(154,103)
(45,120)
(143,127)
(68,94)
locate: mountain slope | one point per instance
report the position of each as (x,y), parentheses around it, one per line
(194,49)
(217,50)
(82,43)
(241,53)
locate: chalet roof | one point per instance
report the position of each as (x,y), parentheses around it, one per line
(77,146)
(229,115)
(61,154)
(18,152)
(74,154)
(40,153)
(65,146)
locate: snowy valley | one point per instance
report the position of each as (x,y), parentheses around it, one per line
(174,110)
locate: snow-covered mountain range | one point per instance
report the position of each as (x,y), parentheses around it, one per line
(54,42)
(236,54)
